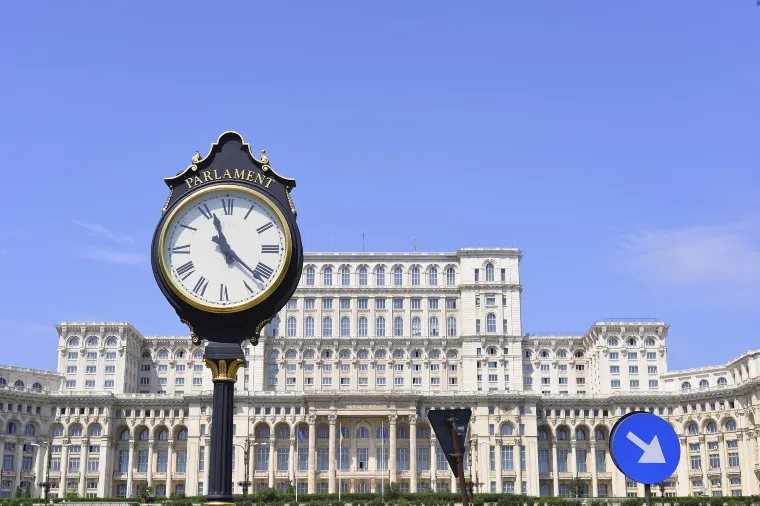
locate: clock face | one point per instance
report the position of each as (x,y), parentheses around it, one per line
(225,249)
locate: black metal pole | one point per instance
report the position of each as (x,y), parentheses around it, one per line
(224,360)
(460,465)
(648,494)
(662,492)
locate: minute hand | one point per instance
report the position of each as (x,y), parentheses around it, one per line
(236,257)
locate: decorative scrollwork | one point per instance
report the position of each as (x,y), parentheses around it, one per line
(222,371)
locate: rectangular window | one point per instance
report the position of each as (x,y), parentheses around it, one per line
(653,383)
(292,303)
(652,369)
(733,459)
(309,303)
(402,458)
(327,303)
(283,456)
(362,459)
(451,303)
(633,355)
(615,383)
(379,303)
(696,462)
(562,461)
(398,303)
(651,355)
(601,461)
(633,369)
(432,303)
(262,458)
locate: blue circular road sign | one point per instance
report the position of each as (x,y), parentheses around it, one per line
(644,447)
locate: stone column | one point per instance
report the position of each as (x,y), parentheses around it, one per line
(594,477)
(705,462)
(746,461)
(207,459)
(433,461)
(130,465)
(83,466)
(149,474)
(412,453)
(169,467)
(312,453)
(292,460)
(683,470)
(392,449)
(105,476)
(571,455)
(272,459)
(518,465)
(499,465)
(555,470)
(476,463)
(40,461)
(723,465)
(332,419)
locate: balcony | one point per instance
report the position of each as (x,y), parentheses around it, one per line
(119,475)
(9,472)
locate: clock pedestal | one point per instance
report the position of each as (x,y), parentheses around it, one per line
(224,360)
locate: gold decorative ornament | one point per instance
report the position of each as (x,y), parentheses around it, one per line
(196,340)
(220,371)
(290,200)
(264,158)
(166,204)
(196,157)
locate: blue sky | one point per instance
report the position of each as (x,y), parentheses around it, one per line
(615,143)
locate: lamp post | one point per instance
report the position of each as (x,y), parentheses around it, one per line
(46,484)
(246,482)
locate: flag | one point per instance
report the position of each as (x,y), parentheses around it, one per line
(385,436)
(341,437)
(300,436)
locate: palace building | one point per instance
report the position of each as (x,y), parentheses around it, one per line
(336,394)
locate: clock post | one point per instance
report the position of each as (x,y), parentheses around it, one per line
(227,255)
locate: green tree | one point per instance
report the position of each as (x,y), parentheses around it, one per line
(289,490)
(577,488)
(392,493)
(17,494)
(145,493)
(27,493)
(72,495)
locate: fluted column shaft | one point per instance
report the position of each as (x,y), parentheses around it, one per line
(130,466)
(412,453)
(149,474)
(312,454)
(392,466)
(170,467)
(594,480)
(83,466)
(555,470)
(499,467)
(331,455)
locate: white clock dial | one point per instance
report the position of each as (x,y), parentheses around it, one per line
(225,248)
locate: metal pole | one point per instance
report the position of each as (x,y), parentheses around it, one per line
(662,492)
(460,466)
(648,494)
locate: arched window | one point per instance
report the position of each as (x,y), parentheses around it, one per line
(180,354)
(327,276)
(309,327)
(580,434)
(562,354)
(380,354)
(362,433)
(693,428)
(29,430)
(163,354)
(434,326)
(527,354)
(506,430)
(283,431)
(380,275)
(10,428)
(398,326)
(492,351)
(182,435)
(124,435)
(344,354)
(363,326)
(57,431)
(18,384)
(363,354)
(197,354)
(402,432)
(398,353)
(144,435)
(544,353)
(415,276)
(423,431)
(631,341)
(599,434)
(561,434)
(452,354)
(542,435)
(722,381)
(303,430)
(327,327)
(163,435)
(74,341)
(274,355)
(345,276)
(685,386)
(712,427)
(262,432)
(380,327)
(291,354)
(398,276)
(451,276)
(327,354)
(111,342)
(94,431)
(37,386)
(731,425)
(308,354)
(489,271)
(491,322)
(704,383)
(612,341)
(451,326)
(416,326)
(578,354)
(146,354)
(291,326)
(650,342)
(435,354)
(433,276)
(310,276)
(76,430)
(93,341)
(345,327)
(3,382)
(363,276)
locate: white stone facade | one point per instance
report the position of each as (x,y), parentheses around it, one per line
(369,343)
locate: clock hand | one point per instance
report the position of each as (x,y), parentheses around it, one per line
(227,250)
(220,239)
(224,247)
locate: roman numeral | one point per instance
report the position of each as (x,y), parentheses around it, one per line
(188,227)
(270,248)
(264,228)
(200,286)
(248,287)
(223,294)
(203,208)
(181,249)
(188,268)
(263,271)
(227,204)
(249,212)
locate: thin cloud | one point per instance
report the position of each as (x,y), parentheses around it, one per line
(103,232)
(112,257)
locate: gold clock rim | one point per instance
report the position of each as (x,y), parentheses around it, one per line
(236,307)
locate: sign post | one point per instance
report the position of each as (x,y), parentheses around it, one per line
(450,427)
(645,448)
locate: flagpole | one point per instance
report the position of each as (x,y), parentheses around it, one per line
(295,471)
(382,461)
(340,452)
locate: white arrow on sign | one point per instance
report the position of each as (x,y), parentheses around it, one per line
(652,451)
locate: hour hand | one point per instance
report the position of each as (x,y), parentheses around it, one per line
(225,249)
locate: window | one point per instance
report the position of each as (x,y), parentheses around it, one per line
(491,322)
(327,327)
(433,276)
(433,326)
(345,276)
(685,386)
(416,326)
(451,277)
(309,327)
(291,324)
(398,303)
(310,276)
(489,271)
(398,326)
(327,276)
(362,326)
(398,276)
(380,276)
(451,326)
(380,326)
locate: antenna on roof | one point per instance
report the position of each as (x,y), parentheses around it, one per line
(415,245)
(362,242)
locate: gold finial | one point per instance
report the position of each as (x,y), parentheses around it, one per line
(264,158)
(196,157)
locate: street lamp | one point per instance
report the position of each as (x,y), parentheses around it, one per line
(246,455)
(46,484)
